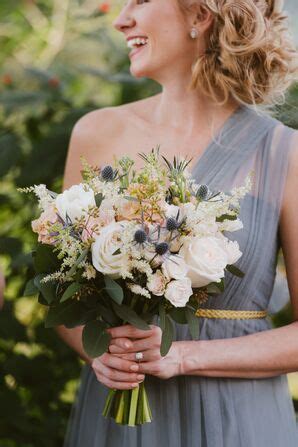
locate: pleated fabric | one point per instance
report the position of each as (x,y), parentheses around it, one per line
(201,411)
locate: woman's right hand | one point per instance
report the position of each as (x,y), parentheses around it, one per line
(115,372)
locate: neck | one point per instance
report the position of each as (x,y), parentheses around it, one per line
(188,112)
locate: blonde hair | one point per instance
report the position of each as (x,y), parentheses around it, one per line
(250,53)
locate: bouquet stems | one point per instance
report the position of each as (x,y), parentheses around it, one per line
(128,407)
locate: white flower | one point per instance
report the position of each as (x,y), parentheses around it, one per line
(206,258)
(231,248)
(102,249)
(179,291)
(174,267)
(157,283)
(75,201)
(231,225)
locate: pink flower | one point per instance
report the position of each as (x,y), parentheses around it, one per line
(42,225)
(92,228)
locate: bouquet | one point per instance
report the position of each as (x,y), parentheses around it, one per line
(125,245)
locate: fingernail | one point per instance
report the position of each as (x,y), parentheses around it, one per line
(134,367)
(134,384)
(140,377)
(127,344)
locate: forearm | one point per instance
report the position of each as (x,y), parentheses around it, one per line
(261,354)
(73,337)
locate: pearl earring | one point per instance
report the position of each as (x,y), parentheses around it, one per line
(194,33)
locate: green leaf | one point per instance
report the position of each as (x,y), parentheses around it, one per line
(70,291)
(72,313)
(30,288)
(167,336)
(131,198)
(45,260)
(162,315)
(95,338)
(114,289)
(47,289)
(82,256)
(98,199)
(226,217)
(235,270)
(107,315)
(178,315)
(129,315)
(214,287)
(193,322)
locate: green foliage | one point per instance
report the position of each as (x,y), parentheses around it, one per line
(59,60)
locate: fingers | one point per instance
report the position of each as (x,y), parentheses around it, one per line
(130,331)
(149,355)
(114,378)
(121,342)
(117,363)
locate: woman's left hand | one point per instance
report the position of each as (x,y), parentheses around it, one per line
(148,342)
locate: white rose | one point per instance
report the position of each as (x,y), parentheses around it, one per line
(232,250)
(231,225)
(157,283)
(74,201)
(102,249)
(179,291)
(174,267)
(206,258)
(106,211)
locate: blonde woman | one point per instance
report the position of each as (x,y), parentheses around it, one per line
(216,61)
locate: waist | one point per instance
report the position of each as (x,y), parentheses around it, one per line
(231,314)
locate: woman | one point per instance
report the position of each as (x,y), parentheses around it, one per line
(213,59)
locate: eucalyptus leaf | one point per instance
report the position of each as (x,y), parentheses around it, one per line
(47,289)
(167,336)
(114,289)
(45,260)
(95,338)
(128,314)
(72,313)
(30,288)
(70,291)
(193,322)
(226,217)
(98,199)
(235,270)
(178,315)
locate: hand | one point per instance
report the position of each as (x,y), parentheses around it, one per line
(148,342)
(115,372)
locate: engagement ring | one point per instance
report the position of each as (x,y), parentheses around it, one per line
(139,356)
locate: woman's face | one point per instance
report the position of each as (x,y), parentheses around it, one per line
(170,50)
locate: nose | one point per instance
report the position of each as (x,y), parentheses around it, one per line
(123,20)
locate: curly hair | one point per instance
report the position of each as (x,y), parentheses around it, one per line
(250,53)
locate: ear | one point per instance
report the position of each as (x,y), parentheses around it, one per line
(200,15)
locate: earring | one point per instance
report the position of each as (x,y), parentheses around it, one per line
(194,33)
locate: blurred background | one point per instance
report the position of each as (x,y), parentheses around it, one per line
(59,59)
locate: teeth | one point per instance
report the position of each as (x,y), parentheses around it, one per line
(137,41)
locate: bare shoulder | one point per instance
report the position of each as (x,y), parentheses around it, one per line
(97,132)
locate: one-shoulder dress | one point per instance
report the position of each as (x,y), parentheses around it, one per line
(201,411)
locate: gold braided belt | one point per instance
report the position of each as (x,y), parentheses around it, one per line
(231,314)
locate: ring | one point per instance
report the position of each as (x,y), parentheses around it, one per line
(139,356)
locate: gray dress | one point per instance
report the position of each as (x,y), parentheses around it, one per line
(201,411)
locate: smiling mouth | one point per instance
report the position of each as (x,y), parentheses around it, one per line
(137,50)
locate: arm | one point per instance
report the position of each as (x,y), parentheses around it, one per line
(263,354)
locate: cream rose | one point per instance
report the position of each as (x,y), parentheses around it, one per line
(42,225)
(174,267)
(74,201)
(231,248)
(206,258)
(157,283)
(179,291)
(102,249)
